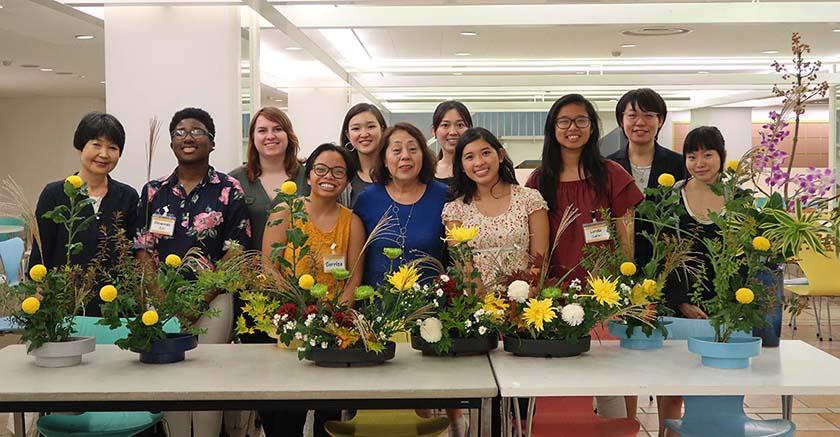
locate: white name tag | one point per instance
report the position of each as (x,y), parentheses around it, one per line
(596,232)
(334,262)
(162,225)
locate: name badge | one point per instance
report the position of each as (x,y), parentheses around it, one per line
(162,224)
(596,232)
(334,262)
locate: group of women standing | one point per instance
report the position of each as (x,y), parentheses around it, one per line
(377,172)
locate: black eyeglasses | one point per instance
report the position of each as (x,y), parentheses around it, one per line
(565,123)
(322,170)
(197,132)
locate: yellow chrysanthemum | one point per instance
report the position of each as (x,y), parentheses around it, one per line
(644,292)
(627,268)
(494,305)
(733,164)
(306,281)
(461,234)
(605,290)
(38,272)
(288,188)
(173,260)
(666,180)
(744,296)
(30,305)
(75,181)
(150,317)
(761,243)
(108,293)
(537,312)
(404,278)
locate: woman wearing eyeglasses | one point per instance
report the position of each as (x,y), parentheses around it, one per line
(449,121)
(335,234)
(573,173)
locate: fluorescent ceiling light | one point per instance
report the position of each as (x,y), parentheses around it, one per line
(457,74)
(102,82)
(462,54)
(293,48)
(84,37)
(702,72)
(46,69)
(628,46)
(835,30)
(769,52)
(348,44)
(470,33)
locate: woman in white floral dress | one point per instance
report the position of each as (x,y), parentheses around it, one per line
(512,220)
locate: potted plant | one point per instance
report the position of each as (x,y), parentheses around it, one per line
(464,319)
(46,304)
(147,301)
(553,317)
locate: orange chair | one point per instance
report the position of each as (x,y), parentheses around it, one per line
(574,416)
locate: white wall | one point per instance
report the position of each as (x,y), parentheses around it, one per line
(734,123)
(148,73)
(36,139)
(316,114)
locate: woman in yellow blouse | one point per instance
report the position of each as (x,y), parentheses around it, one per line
(336,234)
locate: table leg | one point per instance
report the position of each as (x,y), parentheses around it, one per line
(529,418)
(787,406)
(517,416)
(20,425)
(505,413)
(486,416)
(475,414)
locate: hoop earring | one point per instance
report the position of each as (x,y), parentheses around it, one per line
(349,147)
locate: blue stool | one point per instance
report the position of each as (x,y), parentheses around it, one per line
(724,416)
(99,424)
(11,254)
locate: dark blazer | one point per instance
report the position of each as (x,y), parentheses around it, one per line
(664,161)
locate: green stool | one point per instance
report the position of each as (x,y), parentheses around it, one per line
(387,423)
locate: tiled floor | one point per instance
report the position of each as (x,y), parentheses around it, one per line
(815,416)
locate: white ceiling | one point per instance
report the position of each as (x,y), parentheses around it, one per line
(403,53)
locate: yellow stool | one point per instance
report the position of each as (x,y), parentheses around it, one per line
(387,423)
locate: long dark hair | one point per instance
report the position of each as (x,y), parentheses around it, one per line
(464,186)
(357,109)
(592,165)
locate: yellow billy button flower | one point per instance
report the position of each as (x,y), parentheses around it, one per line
(173,260)
(537,312)
(306,281)
(744,296)
(733,164)
(666,180)
(38,272)
(761,244)
(75,181)
(288,188)
(628,268)
(108,293)
(404,278)
(150,317)
(461,234)
(30,305)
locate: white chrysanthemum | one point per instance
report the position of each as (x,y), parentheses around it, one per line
(444,278)
(298,335)
(518,291)
(482,330)
(468,323)
(313,342)
(436,303)
(439,292)
(625,288)
(572,314)
(431,330)
(324,319)
(324,344)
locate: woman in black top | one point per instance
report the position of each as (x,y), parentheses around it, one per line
(449,121)
(100,139)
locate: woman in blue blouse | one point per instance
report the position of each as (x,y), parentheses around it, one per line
(405,191)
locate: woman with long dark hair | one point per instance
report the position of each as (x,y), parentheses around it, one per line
(361,134)
(573,173)
(512,220)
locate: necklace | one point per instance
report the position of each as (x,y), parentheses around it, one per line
(403,229)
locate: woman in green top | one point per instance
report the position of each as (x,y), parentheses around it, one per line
(272,160)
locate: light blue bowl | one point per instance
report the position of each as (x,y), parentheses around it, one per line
(735,354)
(638,340)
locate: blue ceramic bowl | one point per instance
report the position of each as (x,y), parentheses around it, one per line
(735,354)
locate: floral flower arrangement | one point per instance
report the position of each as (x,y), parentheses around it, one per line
(329,322)
(46,304)
(556,309)
(145,299)
(461,308)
